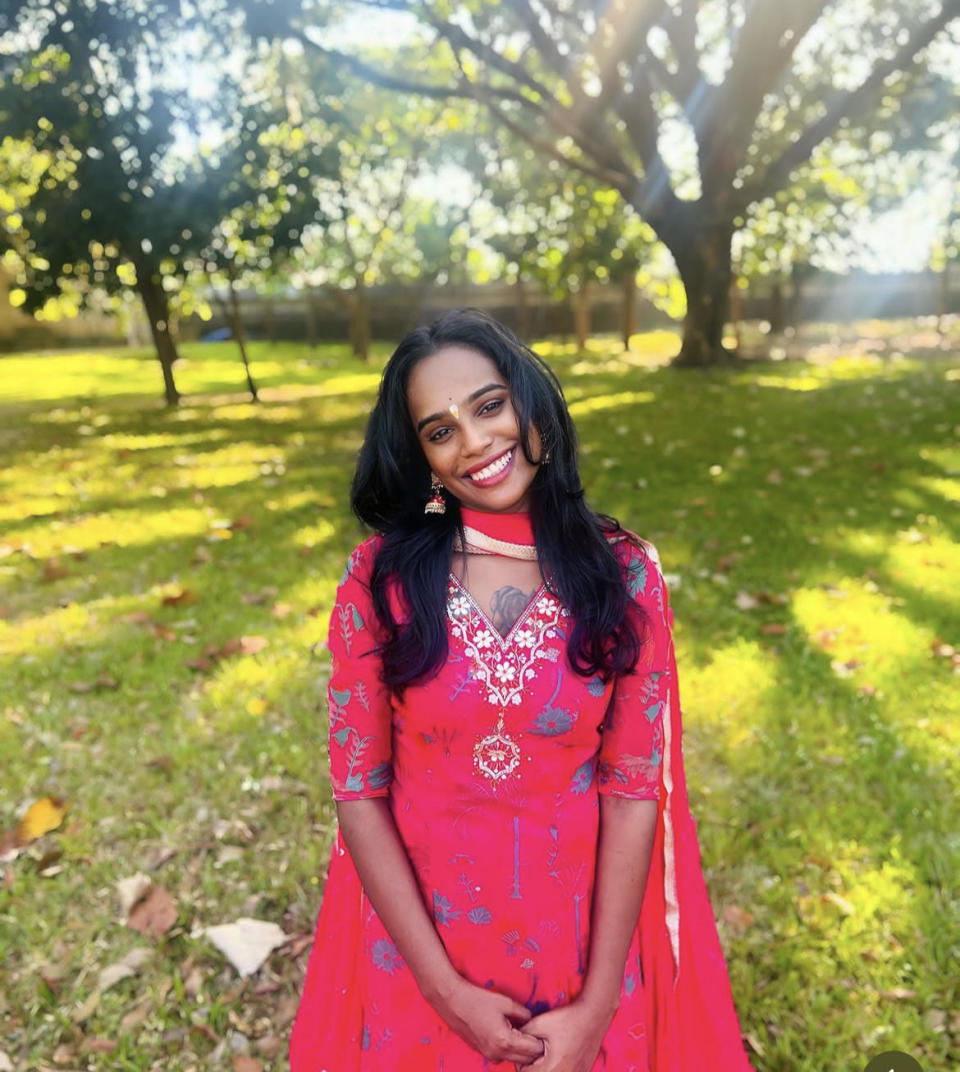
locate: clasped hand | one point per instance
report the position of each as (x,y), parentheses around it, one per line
(567,1039)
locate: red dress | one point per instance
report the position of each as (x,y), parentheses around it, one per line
(493,770)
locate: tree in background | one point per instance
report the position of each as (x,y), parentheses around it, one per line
(381,222)
(140,170)
(565,233)
(692,109)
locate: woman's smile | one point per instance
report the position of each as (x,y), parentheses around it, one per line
(497,470)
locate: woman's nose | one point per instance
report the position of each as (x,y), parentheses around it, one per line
(476,437)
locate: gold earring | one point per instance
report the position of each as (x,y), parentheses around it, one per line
(545,460)
(436,504)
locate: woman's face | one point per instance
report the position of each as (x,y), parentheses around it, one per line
(464,419)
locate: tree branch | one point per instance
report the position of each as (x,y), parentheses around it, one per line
(849,105)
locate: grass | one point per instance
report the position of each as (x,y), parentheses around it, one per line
(806,516)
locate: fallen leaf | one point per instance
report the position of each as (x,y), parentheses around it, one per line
(124,968)
(135,1017)
(745,601)
(130,890)
(755,1044)
(161,763)
(40,818)
(164,632)
(63,1055)
(250,645)
(154,914)
(95,1044)
(243,1063)
(840,902)
(773,629)
(87,1008)
(244,521)
(200,663)
(774,477)
(53,571)
(738,918)
(104,681)
(182,598)
(898,993)
(281,610)
(867,690)
(246,943)
(270,1046)
(135,617)
(726,561)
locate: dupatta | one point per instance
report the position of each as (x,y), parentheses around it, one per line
(691,1020)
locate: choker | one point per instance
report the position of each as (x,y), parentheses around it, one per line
(510,535)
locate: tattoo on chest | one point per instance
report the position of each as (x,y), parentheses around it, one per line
(506,606)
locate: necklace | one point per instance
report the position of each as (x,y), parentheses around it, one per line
(496,754)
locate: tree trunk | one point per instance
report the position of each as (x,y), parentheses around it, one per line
(736,311)
(236,323)
(360,321)
(311,317)
(701,251)
(154,298)
(629,307)
(778,319)
(580,299)
(522,310)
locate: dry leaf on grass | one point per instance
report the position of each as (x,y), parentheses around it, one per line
(154,914)
(40,818)
(103,681)
(773,629)
(738,918)
(246,943)
(243,1063)
(130,890)
(145,907)
(53,571)
(181,598)
(124,968)
(745,601)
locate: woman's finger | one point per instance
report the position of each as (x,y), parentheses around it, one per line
(518,1013)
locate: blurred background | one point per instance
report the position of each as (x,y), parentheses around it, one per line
(732,228)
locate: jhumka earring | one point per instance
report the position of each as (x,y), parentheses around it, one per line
(545,460)
(436,504)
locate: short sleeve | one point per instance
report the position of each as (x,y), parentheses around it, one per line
(631,750)
(360,710)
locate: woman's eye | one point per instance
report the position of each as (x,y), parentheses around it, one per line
(491,406)
(439,434)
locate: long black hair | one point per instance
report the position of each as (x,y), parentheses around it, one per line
(392,484)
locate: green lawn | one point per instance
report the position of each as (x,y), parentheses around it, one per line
(806,515)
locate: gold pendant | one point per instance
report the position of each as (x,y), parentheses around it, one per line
(497,755)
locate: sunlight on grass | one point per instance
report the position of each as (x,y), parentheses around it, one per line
(582,407)
(805,513)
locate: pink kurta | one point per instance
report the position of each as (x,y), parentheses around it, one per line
(493,770)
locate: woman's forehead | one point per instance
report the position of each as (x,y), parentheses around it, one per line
(451,374)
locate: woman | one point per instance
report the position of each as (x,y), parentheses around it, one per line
(516,879)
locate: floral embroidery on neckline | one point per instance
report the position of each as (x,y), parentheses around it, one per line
(504,665)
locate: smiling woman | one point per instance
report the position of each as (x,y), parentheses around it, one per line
(505,754)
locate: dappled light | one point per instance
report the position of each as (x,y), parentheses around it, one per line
(165,580)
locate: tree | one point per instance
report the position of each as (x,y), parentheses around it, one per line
(380,226)
(565,232)
(131,191)
(612,88)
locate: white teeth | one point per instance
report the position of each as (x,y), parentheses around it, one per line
(493,468)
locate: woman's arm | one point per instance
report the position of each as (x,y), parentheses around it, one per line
(484,1019)
(572,1035)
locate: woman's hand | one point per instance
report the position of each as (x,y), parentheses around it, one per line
(572,1036)
(488,1021)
